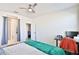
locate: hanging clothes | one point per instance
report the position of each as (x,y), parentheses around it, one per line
(69,44)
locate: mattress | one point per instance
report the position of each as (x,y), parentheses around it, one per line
(22,49)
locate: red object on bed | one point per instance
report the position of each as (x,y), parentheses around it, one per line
(69,44)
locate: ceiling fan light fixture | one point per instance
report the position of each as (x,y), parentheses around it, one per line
(30,9)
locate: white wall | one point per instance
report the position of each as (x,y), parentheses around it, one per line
(23,22)
(50,25)
(47,26)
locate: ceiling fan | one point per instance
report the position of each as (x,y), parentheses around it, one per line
(30,8)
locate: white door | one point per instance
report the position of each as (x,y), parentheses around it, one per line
(12,29)
(33,32)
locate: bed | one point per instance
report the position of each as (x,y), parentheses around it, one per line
(22,49)
(32,47)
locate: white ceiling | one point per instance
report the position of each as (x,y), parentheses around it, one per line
(41,8)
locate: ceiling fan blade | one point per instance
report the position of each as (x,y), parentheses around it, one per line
(30,5)
(33,11)
(22,8)
(35,4)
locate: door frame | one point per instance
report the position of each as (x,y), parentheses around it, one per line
(28,29)
(6,26)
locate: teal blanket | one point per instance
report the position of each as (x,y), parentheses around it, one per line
(46,48)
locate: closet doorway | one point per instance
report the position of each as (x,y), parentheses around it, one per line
(28,26)
(12,30)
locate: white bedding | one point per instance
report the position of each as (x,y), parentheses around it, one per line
(22,49)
